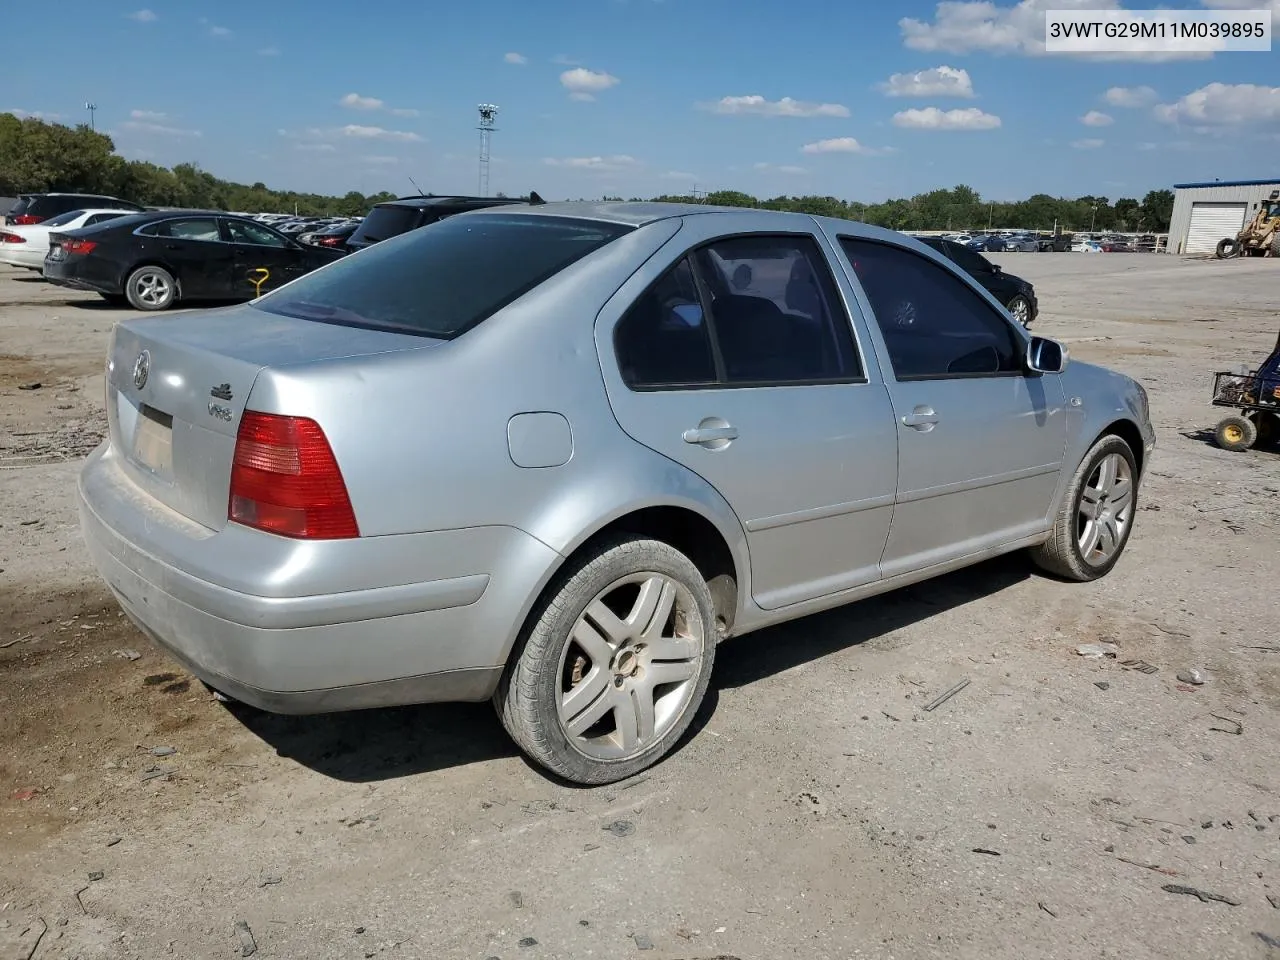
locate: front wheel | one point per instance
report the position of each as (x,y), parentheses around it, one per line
(1096,516)
(151,288)
(1236,434)
(1020,308)
(615,664)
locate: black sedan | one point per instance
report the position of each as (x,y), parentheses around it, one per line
(1016,294)
(154,260)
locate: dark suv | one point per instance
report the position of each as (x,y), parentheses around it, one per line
(1018,296)
(36,207)
(408,213)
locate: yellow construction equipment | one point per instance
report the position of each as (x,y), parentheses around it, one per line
(1260,236)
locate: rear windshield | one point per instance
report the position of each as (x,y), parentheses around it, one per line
(62,219)
(389,221)
(20,207)
(445,278)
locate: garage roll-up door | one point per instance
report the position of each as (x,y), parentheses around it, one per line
(1211,222)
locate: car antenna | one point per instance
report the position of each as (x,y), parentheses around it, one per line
(534,199)
(415,186)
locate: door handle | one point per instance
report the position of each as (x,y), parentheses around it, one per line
(922,418)
(719,435)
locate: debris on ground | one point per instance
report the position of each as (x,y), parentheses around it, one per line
(248,946)
(1102,685)
(27,638)
(516,898)
(270,880)
(1140,665)
(1043,906)
(1270,941)
(25,793)
(163,751)
(528,942)
(1239,727)
(152,772)
(1202,895)
(127,654)
(989,853)
(945,696)
(620,828)
(1193,676)
(95,876)
(30,386)
(642,942)
(1096,651)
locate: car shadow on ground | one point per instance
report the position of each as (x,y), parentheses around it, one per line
(97,303)
(376,745)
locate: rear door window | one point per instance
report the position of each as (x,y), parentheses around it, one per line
(443,279)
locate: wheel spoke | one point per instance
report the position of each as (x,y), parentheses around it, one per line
(1090,498)
(1110,537)
(575,701)
(1121,495)
(615,630)
(642,700)
(671,648)
(1089,542)
(587,717)
(626,715)
(676,671)
(597,648)
(1107,474)
(653,607)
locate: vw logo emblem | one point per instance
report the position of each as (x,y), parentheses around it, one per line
(142,369)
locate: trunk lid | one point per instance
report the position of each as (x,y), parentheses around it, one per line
(177,386)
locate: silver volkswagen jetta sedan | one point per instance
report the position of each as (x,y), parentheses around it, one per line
(554,454)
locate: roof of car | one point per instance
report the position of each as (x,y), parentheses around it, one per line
(434,201)
(632,213)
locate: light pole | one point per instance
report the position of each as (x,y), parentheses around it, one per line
(488,121)
(92,108)
(1093,219)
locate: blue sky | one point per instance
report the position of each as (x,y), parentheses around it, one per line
(862,100)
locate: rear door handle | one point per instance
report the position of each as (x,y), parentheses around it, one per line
(710,434)
(922,418)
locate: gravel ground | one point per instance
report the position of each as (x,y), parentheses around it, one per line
(1052,808)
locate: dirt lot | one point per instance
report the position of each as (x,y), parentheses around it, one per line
(816,812)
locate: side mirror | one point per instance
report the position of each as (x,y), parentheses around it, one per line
(1046,356)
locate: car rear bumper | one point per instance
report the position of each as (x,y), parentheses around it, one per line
(31,259)
(303,649)
(76,274)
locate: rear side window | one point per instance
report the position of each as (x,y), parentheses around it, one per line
(384,222)
(445,278)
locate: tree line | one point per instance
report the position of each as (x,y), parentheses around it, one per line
(36,156)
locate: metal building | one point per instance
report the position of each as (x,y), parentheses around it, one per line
(1204,213)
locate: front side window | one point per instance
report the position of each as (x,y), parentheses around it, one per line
(252,233)
(934,325)
(756,310)
(443,279)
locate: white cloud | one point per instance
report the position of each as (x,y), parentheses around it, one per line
(1272,5)
(316,147)
(146,126)
(378,133)
(1224,105)
(932,118)
(1130,96)
(354,101)
(787,168)
(616,163)
(269,52)
(1096,118)
(519,59)
(936,82)
(679,175)
(982,26)
(219,32)
(842,145)
(33,114)
(143,16)
(584,84)
(154,116)
(1089,144)
(756,105)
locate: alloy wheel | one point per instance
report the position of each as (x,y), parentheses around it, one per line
(1105,510)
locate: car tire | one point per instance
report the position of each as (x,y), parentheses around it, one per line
(1020,308)
(573,697)
(151,288)
(1090,532)
(1236,434)
(115,299)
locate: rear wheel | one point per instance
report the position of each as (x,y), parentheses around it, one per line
(1235,434)
(151,288)
(1227,248)
(615,664)
(1096,516)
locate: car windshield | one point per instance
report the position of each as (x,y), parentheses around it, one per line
(63,219)
(443,279)
(387,221)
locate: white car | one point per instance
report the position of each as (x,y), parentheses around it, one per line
(26,245)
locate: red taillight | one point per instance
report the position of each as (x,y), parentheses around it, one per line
(26,219)
(285,480)
(330,241)
(79,246)
(11,238)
